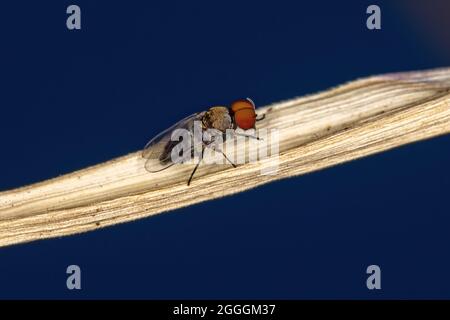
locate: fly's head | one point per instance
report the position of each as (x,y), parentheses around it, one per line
(243,113)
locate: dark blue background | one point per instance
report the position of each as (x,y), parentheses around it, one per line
(70,99)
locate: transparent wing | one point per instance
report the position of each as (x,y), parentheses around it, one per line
(158,150)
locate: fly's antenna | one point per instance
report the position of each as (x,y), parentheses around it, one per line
(254,106)
(251,101)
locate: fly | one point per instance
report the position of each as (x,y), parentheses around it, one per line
(241,114)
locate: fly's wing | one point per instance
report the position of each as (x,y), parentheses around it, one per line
(158,150)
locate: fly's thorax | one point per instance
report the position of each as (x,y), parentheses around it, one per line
(217,118)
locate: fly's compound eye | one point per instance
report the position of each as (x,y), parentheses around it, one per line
(244,113)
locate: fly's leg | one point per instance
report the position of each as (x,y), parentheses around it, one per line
(247,136)
(201,158)
(196,166)
(215,147)
(225,156)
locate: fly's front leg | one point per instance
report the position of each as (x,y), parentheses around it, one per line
(247,136)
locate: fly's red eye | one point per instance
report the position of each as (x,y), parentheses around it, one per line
(244,113)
